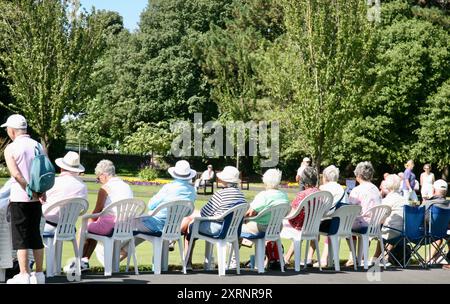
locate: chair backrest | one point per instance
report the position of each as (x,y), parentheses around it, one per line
(439,221)
(315,205)
(414,222)
(277,212)
(126,211)
(69,211)
(176,211)
(344,217)
(233,219)
(378,215)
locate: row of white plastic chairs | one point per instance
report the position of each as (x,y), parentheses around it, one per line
(316,207)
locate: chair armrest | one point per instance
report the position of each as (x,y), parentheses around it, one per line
(84,220)
(392,228)
(206,218)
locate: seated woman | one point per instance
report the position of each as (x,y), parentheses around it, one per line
(67,185)
(218,204)
(395,220)
(207,175)
(365,194)
(330,176)
(113,189)
(309,178)
(264,200)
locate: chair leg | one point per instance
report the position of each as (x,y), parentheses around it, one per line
(116,256)
(335,246)
(306,254)
(260,255)
(181,248)
(230,248)
(108,248)
(221,256)
(237,257)
(352,248)
(383,253)
(157,255)
(360,250)
(280,254)
(58,257)
(49,257)
(77,258)
(2,275)
(316,241)
(188,253)
(165,256)
(208,255)
(365,240)
(132,248)
(330,252)
(297,254)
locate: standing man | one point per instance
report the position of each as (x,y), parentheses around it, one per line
(26,212)
(305,163)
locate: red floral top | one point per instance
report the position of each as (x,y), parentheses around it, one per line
(297,222)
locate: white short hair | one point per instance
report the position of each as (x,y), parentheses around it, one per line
(105,167)
(272,178)
(392,182)
(331,173)
(364,170)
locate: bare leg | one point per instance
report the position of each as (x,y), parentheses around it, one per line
(22,257)
(89,247)
(288,255)
(324,257)
(312,249)
(38,259)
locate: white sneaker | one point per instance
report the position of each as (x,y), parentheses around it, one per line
(19,279)
(70,267)
(37,278)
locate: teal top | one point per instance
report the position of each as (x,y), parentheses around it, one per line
(265,199)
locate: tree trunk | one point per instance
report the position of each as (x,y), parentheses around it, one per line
(45,142)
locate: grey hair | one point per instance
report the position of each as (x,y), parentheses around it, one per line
(331,173)
(364,170)
(392,182)
(309,176)
(105,167)
(272,178)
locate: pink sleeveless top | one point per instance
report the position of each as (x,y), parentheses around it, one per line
(22,149)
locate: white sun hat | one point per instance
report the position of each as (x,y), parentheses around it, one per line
(70,162)
(306,159)
(440,184)
(15,121)
(182,170)
(230,175)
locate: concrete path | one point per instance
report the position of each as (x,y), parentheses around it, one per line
(313,276)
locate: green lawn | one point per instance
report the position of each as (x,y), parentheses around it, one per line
(144,251)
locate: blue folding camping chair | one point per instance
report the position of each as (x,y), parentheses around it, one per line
(439,219)
(413,235)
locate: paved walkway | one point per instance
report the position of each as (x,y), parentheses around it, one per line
(313,276)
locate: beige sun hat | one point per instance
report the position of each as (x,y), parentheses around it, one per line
(230,175)
(70,162)
(182,170)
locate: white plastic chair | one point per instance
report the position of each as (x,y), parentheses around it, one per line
(315,205)
(6,258)
(231,236)
(346,215)
(69,211)
(378,215)
(126,211)
(176,211)
(277,212)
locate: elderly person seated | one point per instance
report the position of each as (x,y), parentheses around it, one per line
(383,190)
(177,190)
(330,176)
(67,185)
(218,204)
(113,189)
(264,200)
(309,177)
(396,201)
(207,175)
(366,194)
(440,188)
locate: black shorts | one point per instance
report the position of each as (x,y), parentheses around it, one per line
(25,225)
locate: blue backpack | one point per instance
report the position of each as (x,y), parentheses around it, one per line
(42,174)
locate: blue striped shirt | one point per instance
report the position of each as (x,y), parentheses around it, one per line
(222,201)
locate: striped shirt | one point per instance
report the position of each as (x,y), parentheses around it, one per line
(222,201)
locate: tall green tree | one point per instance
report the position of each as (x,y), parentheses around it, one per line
(316,73)
(48,49)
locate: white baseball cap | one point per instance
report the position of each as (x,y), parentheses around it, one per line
(440,184)
(15,121)
(306,159)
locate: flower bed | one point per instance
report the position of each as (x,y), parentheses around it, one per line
(140,182)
